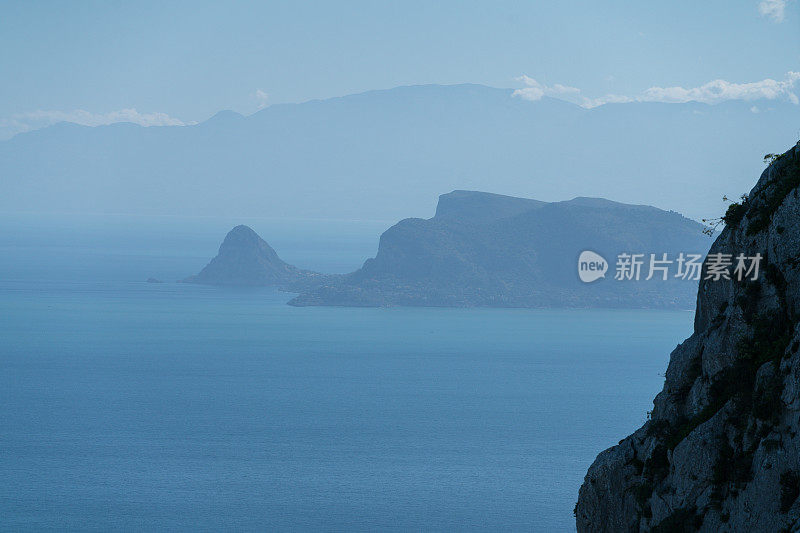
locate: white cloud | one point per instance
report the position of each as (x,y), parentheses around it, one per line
(713,92)
(21,122)
(262,98)
(774,9)
(721,90)
(607,99)
(534,90)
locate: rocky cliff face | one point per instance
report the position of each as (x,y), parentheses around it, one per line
(721,451)
(244,258)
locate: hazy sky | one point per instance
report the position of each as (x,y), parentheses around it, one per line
(180,62)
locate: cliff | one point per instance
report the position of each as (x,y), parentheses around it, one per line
(483,249)
(246,259)
(721,449)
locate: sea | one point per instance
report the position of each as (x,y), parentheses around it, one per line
(135,406)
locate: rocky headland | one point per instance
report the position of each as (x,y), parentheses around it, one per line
(721,448)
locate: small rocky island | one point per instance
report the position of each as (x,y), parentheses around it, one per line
(245,259)
(721,449)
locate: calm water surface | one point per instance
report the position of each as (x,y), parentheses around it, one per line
(126,405)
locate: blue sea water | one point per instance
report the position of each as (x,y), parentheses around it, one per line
(133,406)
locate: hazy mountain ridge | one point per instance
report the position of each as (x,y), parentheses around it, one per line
(384,154)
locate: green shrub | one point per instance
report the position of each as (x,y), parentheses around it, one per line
(732,469)
(734,214)
(683,520)
(772,334)
(637,465)
(656,467)
(642,493)
(658,428)
(787,180)
(767,405)
(790,489)
(748,299)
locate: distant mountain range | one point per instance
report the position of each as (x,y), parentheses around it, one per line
(384,154)
(483,249)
